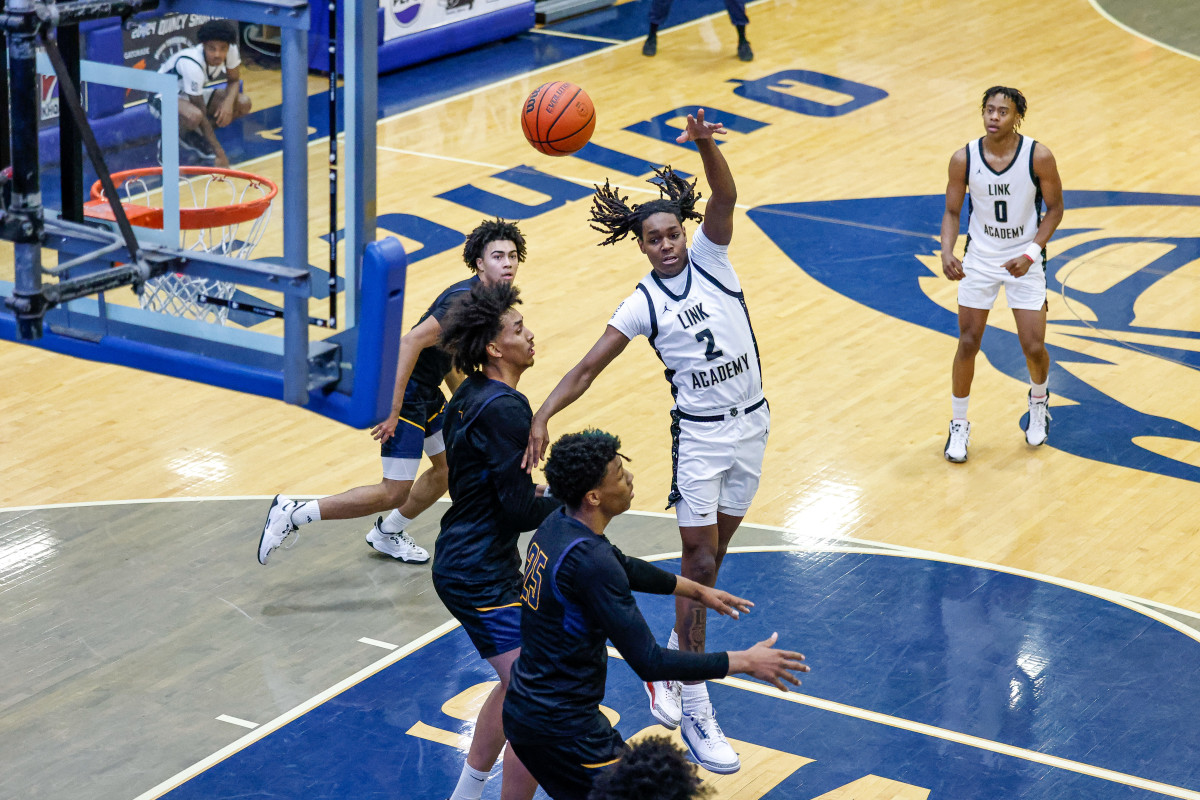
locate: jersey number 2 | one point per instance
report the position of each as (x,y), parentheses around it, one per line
(711,352)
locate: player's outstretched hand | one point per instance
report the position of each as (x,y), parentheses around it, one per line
(697,128)
(951,267)
(766,663)
(386,429)
(722,602)
(539,438)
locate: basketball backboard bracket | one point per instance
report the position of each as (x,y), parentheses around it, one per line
(348,377)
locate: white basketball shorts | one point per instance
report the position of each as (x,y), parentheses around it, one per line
(718,464)
(982,282)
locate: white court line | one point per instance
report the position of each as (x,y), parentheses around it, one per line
(298,711)
(377,643)
(1136,604)
(871,548)
(1100,10)
(954,736)
(245,723)
(86,503)
(583,36)
(1133,602)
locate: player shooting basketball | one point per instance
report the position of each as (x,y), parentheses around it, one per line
(691,310)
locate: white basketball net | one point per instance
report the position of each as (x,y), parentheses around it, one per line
(180,295)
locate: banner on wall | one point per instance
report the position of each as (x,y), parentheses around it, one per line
(50,106)
(406,17)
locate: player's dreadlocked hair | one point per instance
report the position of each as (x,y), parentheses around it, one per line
(488,231)
(578,463)
(611,215)
(1014,95)
(475,320)
(654,769)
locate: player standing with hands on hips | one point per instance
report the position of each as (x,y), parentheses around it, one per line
(1009,176)
(691,309)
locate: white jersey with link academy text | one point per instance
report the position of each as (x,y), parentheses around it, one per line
(1005,206)
(699,327)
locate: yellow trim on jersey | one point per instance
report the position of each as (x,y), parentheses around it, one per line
(410,422)
(494,608)
(601,764)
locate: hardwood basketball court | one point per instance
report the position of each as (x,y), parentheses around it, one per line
(842,129)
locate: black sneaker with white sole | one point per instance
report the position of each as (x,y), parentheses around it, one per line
(194,143)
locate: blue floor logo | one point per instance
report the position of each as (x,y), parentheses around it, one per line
(870,251)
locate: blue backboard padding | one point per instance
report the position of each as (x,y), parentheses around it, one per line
(374,372)
(381,311)
(1013,660)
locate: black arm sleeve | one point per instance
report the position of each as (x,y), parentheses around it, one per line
(646,577)
(504,427)
(603,589)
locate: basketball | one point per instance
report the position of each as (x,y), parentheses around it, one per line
(558,118)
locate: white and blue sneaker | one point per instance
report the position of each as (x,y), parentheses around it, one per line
(666,702)
(956,442)
(277,527)
(397,545)
(1037,429)
(706,741)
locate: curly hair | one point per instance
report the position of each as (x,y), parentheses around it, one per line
(611,214)
(217,30)
(578,463)
(653,769)
(488,231)
(474,321)
(1014,95)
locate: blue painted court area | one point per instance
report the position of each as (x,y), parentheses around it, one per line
(1067,694)
(868,251)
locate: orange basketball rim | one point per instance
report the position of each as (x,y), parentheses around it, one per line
(147,216)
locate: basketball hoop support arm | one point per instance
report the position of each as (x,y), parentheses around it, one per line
(25,23)
(24,222)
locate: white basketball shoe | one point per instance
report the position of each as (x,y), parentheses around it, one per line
(1038,428)
(277,527)
(706,741)
(397,545)
(666,702)
(956,442)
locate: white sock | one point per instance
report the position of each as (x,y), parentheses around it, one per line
(470,784)
(958,407)
(1038,390)
(394,522)
(306,513)
(695,695)
(673,642)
